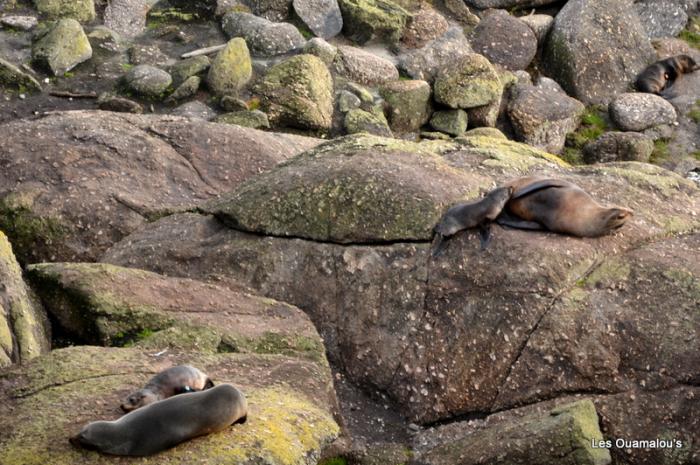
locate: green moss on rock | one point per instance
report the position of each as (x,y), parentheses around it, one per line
(364,19)
(63,47)
(471,82)
(231,69)
(508,154)
(81,10)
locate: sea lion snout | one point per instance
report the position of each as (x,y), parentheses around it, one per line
(616,217)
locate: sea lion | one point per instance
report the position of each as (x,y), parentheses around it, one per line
(559,206)
(467,215)
(175,380)
(659,76)
(164,424)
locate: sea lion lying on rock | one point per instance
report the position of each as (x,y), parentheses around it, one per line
(659,76)
(166,423)
(534,203)
(175,380)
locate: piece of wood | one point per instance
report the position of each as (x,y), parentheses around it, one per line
(66,94)
(203,51)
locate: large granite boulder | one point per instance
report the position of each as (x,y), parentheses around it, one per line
(662,18)
(513,50)
(425,63)
(24,326)
(637,111)
(365,19)
(472,331)
(596,48)
(298,93)
(263,37)
(74,183)
(470,82)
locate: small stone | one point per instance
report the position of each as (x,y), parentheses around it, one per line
(186,89)
(513,50)
(540,25)
(321,49)
(640,111)
(364,67)
(425,63)
(80,10)
(323,17)
(263,37)
(189,67)
(365,95)
(347,101)
(230,103)
(619,146)
(365,19)
(148,80)
(409,104)
(109,102)
(485,132)
(425,25)
(255,119)
(63,47)
(231,69)
(470,82)
(194,109)
(23,23)
(358,120)
(453,122)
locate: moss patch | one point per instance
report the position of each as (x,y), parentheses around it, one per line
(661,151)
(594,123)
(508,154)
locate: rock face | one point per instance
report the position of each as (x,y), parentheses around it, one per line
(24,327)
(81,10)
(426,62)
(409,104)
(470,331)
(565,435)
(514,50)
(263,37)
(662,18)
(361,121)
(619,146)
(542,116)
(484,4)
(365,19)
(121,169)
(363,67)
(322,16)
(148,80)
(639,111)
(63,47)
(247,118)
(453,122)
(596,48)
(231,69)
(470,82)
(127,17)
(298,93)
(425,25)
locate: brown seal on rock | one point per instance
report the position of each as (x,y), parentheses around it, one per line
(175,380)
(559,206)
(659,76)
(166,423)
(470,215)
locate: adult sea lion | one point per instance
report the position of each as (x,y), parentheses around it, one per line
(164,424)
(467,215)
(559,206)
(175,380)
(660,75)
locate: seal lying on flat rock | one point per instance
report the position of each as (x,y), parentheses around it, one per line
(470,215)
(166,423)
(559,206)
(659,76)
(533,203)
(176,380)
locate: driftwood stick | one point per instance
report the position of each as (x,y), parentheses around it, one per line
(66,94)
(203,51)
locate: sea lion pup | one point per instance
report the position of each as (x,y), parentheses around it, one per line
(164,424)
(175,380)
(470,215)
(559,206)
(659,76)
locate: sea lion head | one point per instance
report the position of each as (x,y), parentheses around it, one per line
(138,399)
(614,218)
(686,64)
(94,436)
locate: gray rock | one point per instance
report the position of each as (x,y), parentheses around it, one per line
(272,10)
(485,4)
(513,50)
(63,47)
(23,23)
(347,101)
(363,67)
(184,69)
(371,122)
(540,25)
(662,18)
(321,16)
(485,116)
(106,39)
(596,48)
(185,90)
(264,38)
(543,115)
(127,17)
(194,110)
(619,146)
(81,10)
(231,69)
(469,82)
(425,25)
(462,12)
(148,54)
(322,49)
(453,122)
(255,119)
(12,76)
(148,80)
(366,19)
(109,102)
(362,92)
(408,104)
(230,103)
(523,77)
(426,62)
(640,111)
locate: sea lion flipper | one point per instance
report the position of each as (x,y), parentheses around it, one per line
(511,221)
(439,245)
(485,235)
(538,186)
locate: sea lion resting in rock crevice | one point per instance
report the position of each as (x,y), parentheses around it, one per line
(175,380)
(535,203)
(661,75)
(164,424)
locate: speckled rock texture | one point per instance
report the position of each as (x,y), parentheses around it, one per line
(619,146)
(514,50)
(323,17)
(639,111)
(363,67)
(231,69)
(263,37)
(425,63)
(63,46)
(468,83)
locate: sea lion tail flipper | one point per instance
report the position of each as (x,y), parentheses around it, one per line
(439,245)
(538,186)
(485,235)
(511,221)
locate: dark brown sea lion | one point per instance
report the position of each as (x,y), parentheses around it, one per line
(166,423)
(559,206)
(176,380)
(659,76)
(470,215)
